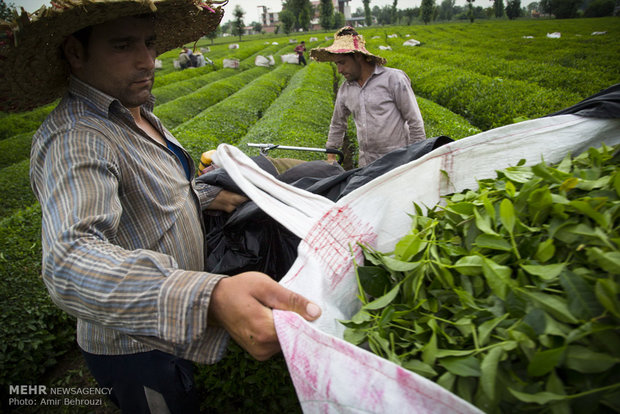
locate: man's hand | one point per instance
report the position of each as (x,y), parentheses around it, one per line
(242,305)
(227,201)
(332,158)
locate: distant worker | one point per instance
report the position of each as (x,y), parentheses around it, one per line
(300,49)
(381,100)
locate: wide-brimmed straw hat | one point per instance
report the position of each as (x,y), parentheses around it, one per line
(33,71)
(346,40)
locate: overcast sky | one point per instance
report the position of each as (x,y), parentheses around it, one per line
(252,11)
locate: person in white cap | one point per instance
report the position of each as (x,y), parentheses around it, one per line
(123,243)
(380,98)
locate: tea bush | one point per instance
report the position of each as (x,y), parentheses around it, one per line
(177,89)
(290,121)
(15,149)
(18,123)
(33,331)
(16,192)
(186,107)
(229,119)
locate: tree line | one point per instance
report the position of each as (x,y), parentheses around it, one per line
(297,15)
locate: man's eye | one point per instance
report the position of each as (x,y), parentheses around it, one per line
(121,46)
(151,44)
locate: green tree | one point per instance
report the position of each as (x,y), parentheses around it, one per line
(257,27)
(301,10)
(513,9)
(600,8)
(426,10)
(409,15)
(498,7)
(561,9)
(214,33)
(470,10)
(238,25)
(338,20)
(287,18)
(326,14)
(446,9)
(367,15)
(394,18)
(6,10)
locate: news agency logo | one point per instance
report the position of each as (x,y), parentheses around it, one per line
(27,389)
(34,390)
(42,395)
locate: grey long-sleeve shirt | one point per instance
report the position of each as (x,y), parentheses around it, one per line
(385,110)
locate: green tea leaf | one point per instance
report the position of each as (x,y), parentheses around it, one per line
(375,280)
(582,301)
(507,215)
(553,304)
(495,242)
(409,246)
(447,380)
(384,300)
(399,265)
(554,385)
(469,265)
(608,261)
(586,361)
(545,251)
(486,328)
(420,367)
(606,291)
(354,336)
(483,222)
(585,208)
(510,188)
(518,174)
(497,276)
(429,352)
(462,366)
(544,361)
(545,272)
(541,398)
(488,370)
(569,184)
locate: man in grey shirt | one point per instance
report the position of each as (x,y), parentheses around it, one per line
(381,100)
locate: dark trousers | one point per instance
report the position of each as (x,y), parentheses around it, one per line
(148,382)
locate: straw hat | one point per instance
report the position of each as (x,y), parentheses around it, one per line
(346,40)
(33,71)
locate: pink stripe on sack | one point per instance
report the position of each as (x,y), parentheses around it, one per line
(335,237)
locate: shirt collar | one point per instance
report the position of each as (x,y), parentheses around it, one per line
(100,100)
(379,69)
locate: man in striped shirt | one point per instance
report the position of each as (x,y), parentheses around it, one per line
(122,231)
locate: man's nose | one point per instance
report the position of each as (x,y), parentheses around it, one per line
(145,57)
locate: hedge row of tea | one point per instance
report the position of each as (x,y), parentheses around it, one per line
(289,105)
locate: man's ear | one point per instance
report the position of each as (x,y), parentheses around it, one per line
(74,53)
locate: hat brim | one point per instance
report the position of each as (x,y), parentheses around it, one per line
(33,71)
(329,55)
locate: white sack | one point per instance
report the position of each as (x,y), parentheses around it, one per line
(265,61)
(233,46)
(385,47)
(230,63)
(411,42)
(290,58)
(334,376)
(554,35)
